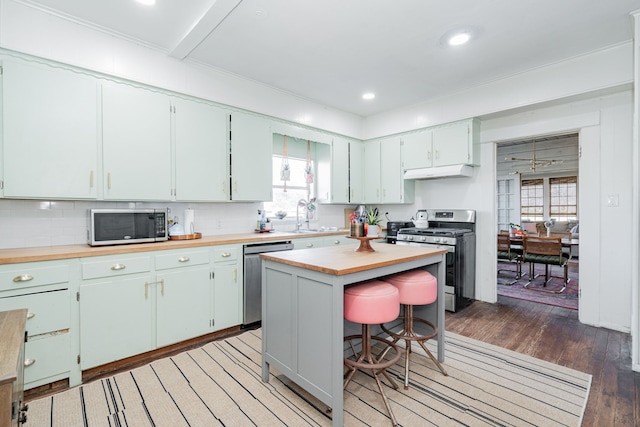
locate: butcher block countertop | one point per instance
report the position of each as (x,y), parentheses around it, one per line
(344,260)
(47,253)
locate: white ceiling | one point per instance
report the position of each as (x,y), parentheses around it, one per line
(332,51)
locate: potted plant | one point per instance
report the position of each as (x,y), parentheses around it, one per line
(373,221)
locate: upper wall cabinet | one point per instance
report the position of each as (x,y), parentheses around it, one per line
(451,144)
(383,181)
(333,171)
(136,132)
(356,172)
(201,152)
(50,132)
(251,152)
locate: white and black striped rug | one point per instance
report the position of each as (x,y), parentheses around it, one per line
(220,384)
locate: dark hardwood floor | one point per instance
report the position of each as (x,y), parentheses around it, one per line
(555,334)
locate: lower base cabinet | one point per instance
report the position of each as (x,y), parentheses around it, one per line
(165,299)
(46,289)
(228,286)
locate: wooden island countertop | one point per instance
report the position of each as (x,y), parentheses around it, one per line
(343,260)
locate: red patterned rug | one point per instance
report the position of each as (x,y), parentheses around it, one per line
(567,299)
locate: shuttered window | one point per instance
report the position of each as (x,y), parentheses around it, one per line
(532,199)
(563,204)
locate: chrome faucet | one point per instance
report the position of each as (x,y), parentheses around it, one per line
(303,203)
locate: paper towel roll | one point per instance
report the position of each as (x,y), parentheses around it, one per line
(189,226)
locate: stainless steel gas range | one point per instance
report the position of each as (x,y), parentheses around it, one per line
(454,230)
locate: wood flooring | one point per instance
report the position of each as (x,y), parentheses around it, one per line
(555,334)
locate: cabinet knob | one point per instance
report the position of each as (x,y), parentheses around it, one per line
(225,254)
(117,267)
(336,242)
(23,278)
(184,259)
(30,315)
(309,245)
(29,362)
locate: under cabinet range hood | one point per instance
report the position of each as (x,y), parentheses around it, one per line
(439,172)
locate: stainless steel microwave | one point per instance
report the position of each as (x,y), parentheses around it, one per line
(124,226)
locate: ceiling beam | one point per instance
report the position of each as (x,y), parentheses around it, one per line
(213,17)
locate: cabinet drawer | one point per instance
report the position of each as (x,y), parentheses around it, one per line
(48,311)
(115,266)
(226,253)
(181,259)
(46,358)
(28,276)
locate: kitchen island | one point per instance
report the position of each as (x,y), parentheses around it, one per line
(302,310)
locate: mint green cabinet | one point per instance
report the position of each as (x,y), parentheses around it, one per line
(201,152)
(333,171)
(394,187)
(251,151)
(383,180)
(116,298)
(372,190)
(136,137)
(130,304)
(183,301)
(46,290)
(445,145)
(418,149)
(356,172)
(228,286)
(49,132)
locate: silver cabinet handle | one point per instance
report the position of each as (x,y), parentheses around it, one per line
(184,259)
(116,267)
(29,362)
(91,180)
(309,245)
(225,254)
(23,278)
(30,315)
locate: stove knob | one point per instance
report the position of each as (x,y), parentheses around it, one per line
(423,238)
(436,239)
(409,237)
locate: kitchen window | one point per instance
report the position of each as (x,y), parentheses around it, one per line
(296,188)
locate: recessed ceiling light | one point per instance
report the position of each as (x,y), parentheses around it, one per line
(459,39)
(459,36)
(147,2)
(368,95)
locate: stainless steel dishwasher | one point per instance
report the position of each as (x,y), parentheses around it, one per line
(253,277)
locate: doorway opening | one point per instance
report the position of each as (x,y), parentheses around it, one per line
(537,195)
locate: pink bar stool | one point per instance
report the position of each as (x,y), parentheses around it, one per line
(416,287)
(371,303)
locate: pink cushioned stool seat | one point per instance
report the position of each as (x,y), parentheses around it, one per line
(371,303)
(416,287)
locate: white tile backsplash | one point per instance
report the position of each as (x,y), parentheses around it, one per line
(30,223)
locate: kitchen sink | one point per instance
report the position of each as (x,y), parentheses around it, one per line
(316,230)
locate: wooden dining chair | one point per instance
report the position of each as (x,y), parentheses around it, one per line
(563,235)
(547,251)
(505,254)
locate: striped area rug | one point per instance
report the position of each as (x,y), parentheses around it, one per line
(220,384)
